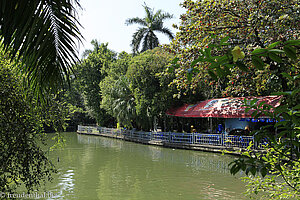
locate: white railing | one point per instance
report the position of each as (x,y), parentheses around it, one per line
(172,137)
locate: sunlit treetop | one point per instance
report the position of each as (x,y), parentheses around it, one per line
(248,24)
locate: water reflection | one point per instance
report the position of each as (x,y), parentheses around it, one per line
(194,159)
(94,167)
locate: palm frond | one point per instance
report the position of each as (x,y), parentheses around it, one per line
(152,22)
(150,41)
(157,14)
(164,16)
(136,20)
(42,35)
(149,14)
(167,32)
(137,38)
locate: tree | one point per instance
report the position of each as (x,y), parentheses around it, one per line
(151,23)
(133,91)
(247,24)
(39,38)
(249,48)
(114,82)
(41,34)
(279,164)
(123,102)
(151,92)
(96,47)
(90,72)
(22,160)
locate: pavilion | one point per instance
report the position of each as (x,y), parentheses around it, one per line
(231,109)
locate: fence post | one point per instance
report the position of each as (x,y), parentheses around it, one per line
(193,138)
(222,139)
(151,135)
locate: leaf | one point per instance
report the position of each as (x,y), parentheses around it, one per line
(261,104)
(200,59)
(247,110)
(189,76)
(263,171)
(286,75)
(225,44)
(222,59)
(296,107)
(271,46)
(207,52)
(43,36)
(253,101)
(242,66)
(293,42)
(295,143)
(290,52)
(276,51)
(190,73)
(259,51)
(234,169)
(223,40)
(226,70)
(257,62)
(213,75)
(295,92)
(171,69)
(281,93)
(220,72)
(212,46)
(253,171)
(275,57)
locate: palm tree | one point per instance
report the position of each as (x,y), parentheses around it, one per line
(123,102)
(152,22)
(42,35)
(96,47)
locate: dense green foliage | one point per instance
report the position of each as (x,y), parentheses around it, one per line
(22,161)
(135,94)
(151,92)
(223,48)
(115,85)
(281,159)
(88,74)
(42,36)
(152,22)
(248,24)
(242,48)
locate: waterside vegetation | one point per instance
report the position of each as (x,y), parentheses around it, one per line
(222,49)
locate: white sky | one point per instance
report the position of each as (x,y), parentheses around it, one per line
(104,20)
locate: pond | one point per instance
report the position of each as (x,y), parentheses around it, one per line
(93,167)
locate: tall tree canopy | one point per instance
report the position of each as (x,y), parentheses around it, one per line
(151,92)
(134,93)
(90,72)
(248,24)
(153,21)
(42,35)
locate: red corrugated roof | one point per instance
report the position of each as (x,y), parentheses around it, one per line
(230,107)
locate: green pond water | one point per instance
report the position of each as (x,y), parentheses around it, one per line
(93,167)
